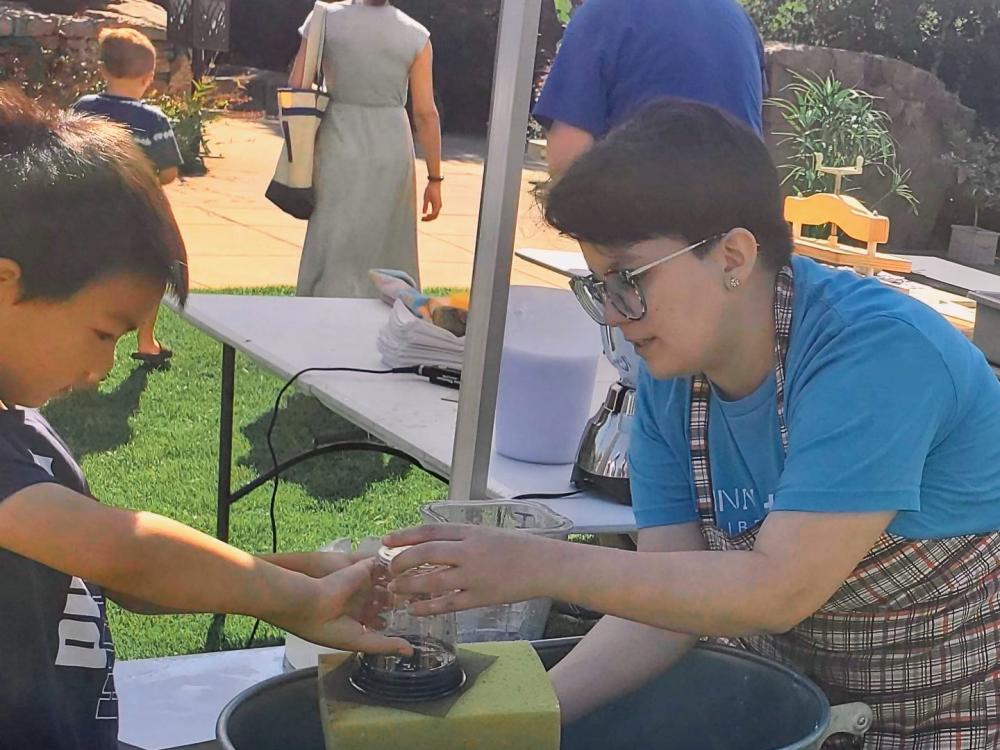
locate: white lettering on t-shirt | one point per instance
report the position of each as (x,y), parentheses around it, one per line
(107,706)
(743,498)
(43,462)
(81,641)
(79,602)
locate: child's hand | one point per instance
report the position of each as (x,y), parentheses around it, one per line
(343,600)
(316,564)
(322,564)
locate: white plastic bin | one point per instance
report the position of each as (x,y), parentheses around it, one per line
(550,354)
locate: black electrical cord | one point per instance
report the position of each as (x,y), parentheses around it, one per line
(547,495)
(429,372)
(274,419)
(440,375)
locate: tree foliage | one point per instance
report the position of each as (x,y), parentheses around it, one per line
(957,40)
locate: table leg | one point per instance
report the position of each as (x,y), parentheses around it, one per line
(213,639)
(226,442)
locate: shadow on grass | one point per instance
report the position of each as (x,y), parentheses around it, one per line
(95,421)
(301,422)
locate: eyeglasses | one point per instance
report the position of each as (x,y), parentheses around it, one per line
(621,288)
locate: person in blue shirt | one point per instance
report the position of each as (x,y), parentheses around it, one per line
(618,55)
(815,458)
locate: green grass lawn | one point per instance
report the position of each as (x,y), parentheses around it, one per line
(149,441)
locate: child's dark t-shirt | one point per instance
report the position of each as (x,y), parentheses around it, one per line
(57,687)
(150,127)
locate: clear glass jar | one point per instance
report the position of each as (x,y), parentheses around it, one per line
(433,671)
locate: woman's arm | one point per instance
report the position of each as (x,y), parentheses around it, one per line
(798,562)
(298,67)
(427,124)
(598,670)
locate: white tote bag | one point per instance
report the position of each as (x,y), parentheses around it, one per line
(301,111)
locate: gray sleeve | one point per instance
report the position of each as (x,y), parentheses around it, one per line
(420,36)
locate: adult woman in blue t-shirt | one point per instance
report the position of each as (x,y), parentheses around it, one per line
(815,463)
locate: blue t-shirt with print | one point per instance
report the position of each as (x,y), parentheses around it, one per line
(888,408)
(618,55)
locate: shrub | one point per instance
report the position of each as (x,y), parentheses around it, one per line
(978,160)
(189,114)
(957,40)
(51,76)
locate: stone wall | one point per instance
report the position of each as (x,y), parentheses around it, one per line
(24,32)
(923,113)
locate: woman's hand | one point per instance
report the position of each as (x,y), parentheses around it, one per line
(484,566)
(333,614)
(432,201)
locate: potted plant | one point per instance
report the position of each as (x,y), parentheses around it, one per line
(978,162)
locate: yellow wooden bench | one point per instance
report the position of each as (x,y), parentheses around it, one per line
(849,216)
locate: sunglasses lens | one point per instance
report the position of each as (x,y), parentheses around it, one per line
(624,297)
(589,298)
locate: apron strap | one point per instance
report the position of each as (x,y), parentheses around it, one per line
(701,391)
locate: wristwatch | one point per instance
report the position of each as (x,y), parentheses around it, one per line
(431,178)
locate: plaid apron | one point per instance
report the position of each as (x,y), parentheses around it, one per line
(914,632)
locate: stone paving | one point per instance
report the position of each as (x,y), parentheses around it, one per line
(235,237)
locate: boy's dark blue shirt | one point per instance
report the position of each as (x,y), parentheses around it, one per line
(57,688)
(618,55)
(150,127)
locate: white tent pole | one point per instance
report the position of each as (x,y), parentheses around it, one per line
(512,81)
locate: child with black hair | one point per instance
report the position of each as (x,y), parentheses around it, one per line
(814,463)
(89,246)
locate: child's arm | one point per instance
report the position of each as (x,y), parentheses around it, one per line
(312,564)
(153,559)
(164,151)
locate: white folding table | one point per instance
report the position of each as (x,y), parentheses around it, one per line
(288,334)
(173,702)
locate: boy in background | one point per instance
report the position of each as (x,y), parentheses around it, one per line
(128,64)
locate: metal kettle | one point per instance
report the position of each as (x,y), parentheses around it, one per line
(602,458)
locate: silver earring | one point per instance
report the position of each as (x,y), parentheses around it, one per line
(734,283)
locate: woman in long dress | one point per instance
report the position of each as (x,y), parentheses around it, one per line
(365,182)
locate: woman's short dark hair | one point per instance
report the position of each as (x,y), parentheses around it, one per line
(79,202)
(678,169)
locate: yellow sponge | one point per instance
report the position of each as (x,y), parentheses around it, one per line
(510,706)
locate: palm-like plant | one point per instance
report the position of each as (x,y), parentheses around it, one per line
(823,116)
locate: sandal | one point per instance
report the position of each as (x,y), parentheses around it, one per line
(158,361)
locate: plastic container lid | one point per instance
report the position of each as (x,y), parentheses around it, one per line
(523,515)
